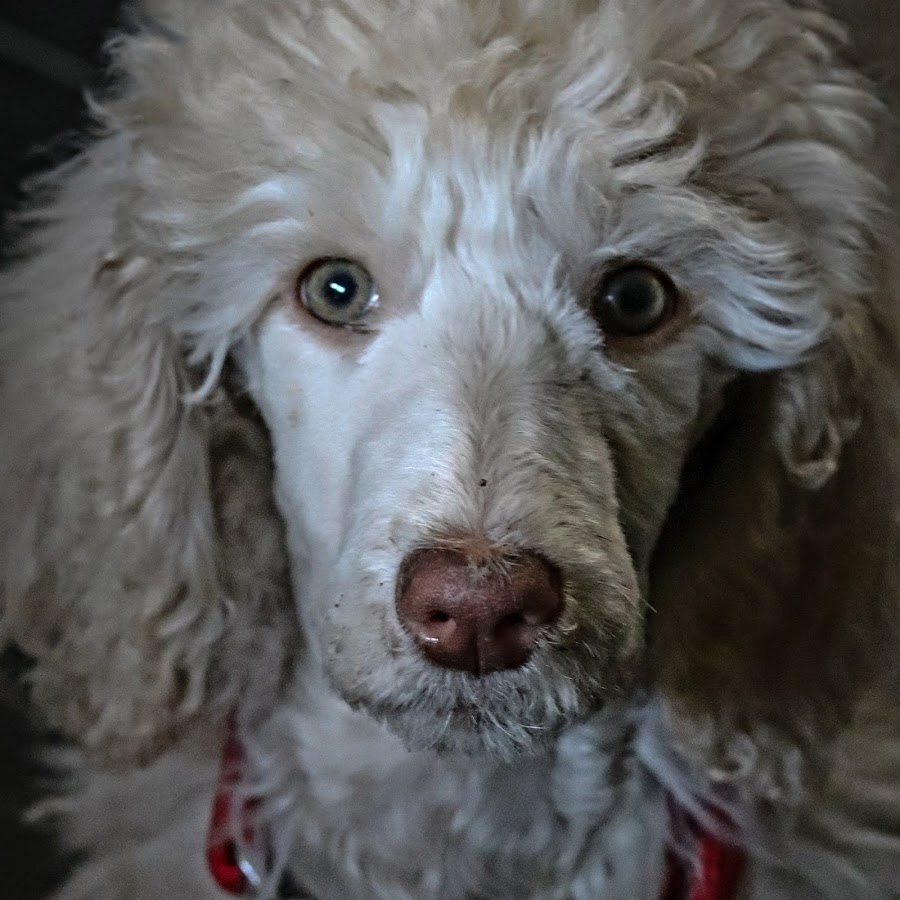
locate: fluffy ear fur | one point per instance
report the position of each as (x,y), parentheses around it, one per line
(143,565)
(772,581)
(770,577)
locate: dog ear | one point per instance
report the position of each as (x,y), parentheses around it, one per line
(143,564)
(770,582)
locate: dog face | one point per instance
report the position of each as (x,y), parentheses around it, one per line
(481,412)
(486,269)
(515,300)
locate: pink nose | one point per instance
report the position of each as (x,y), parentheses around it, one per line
(478,619)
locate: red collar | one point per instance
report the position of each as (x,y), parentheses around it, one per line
(715,876)
(230,868)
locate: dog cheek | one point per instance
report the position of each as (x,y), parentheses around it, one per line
(358,628)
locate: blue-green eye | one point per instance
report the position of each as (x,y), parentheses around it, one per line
(337,291)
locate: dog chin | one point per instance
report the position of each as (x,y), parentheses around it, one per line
(505,714)
(491,719)
(469,732)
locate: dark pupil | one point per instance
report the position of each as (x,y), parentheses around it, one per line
(635,297)
(340,288)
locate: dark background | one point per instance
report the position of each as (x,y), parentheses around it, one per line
(50,53)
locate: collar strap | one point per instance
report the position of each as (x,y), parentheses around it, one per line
(236,869)
(228,863)
(715,875)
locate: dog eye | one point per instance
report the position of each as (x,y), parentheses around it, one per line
(634,300)
(337,291)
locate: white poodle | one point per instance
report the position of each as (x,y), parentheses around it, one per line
(476,422)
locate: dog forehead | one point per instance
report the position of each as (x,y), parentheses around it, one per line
(488,76)
(292,130)
(277,82)
(287,68)
(466,113)
(528,92)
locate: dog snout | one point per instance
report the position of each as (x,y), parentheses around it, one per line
(474,615)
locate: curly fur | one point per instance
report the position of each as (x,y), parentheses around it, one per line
(205,497)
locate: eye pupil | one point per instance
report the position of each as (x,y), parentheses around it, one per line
(337,291)
(634,301)
(340,289)
(636,297)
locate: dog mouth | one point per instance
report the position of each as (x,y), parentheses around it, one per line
(506,713)
(498,726)
(488,649)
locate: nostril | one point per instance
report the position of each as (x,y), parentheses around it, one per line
(437,627)
(541,607)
